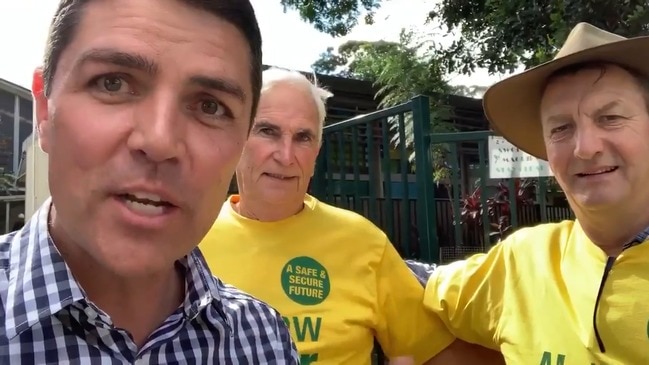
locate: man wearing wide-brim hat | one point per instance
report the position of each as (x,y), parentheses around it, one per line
(574,292)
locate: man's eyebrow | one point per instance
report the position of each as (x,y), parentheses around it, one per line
(118,58)
(265,124)
(559,118)
(306,131)
(220,84)
(563,118)
(607,107)
(142,63)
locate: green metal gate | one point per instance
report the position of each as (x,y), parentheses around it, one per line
(355,171)
(359,168)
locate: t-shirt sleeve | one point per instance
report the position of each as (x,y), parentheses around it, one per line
(468,296)
(405,327)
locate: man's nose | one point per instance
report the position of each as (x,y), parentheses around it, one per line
(284,153)
(159,131)
(588,142)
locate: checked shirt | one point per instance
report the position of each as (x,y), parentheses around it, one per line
(45,317)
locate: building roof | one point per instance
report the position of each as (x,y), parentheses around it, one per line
(15,89)
(352,97)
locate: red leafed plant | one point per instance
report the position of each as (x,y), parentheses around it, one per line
(498,206)
(472,208)
(525,193)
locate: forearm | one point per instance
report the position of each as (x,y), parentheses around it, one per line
(401,360)
(464,353)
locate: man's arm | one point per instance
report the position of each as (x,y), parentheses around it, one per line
(464,353)
(468,295)
(405,327)
(401,360)
(286,350)
(459,352)
(265,333)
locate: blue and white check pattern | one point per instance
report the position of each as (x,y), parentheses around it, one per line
(45,317)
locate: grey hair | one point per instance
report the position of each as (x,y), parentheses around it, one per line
(274,76)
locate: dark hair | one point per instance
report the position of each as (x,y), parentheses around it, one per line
(237,12)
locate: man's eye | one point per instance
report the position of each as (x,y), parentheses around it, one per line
(304,138)
(609,118)
(559,129)
(212,108)
(112,84)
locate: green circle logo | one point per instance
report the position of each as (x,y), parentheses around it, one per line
(305,281)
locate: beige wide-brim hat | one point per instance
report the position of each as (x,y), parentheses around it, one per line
(513,104)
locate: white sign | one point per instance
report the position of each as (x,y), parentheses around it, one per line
(507,161)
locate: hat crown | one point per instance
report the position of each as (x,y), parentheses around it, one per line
(585,43)
(584,36)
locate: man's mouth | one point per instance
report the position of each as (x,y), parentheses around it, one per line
(146,203)
(601,171)
(279,177)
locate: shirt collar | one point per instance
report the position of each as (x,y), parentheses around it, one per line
(638,239)
(201,287)
(40,283)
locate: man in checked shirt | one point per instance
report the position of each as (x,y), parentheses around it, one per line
(143,108)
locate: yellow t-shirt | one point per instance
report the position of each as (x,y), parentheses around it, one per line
(335,278)
(533,297)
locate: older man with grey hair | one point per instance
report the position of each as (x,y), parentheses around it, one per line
(334,276)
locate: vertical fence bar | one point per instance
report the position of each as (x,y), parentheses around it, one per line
(542,198)
(7,213)
(387,178)
(513,203)
(405,202)
(330,169)
(318,182)
(356,167)
(342,165)
(484,175)
(455,186)
(426,215)
(373,176)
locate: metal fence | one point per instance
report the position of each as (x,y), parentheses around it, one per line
(11,209)
(362,169)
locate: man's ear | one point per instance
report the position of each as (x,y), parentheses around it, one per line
(41,110)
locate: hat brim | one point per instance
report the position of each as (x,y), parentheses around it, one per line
(512,106)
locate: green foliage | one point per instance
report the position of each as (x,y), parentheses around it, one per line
(335,17)
(498,35)
(383,63)
(9,183)
(364,60)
